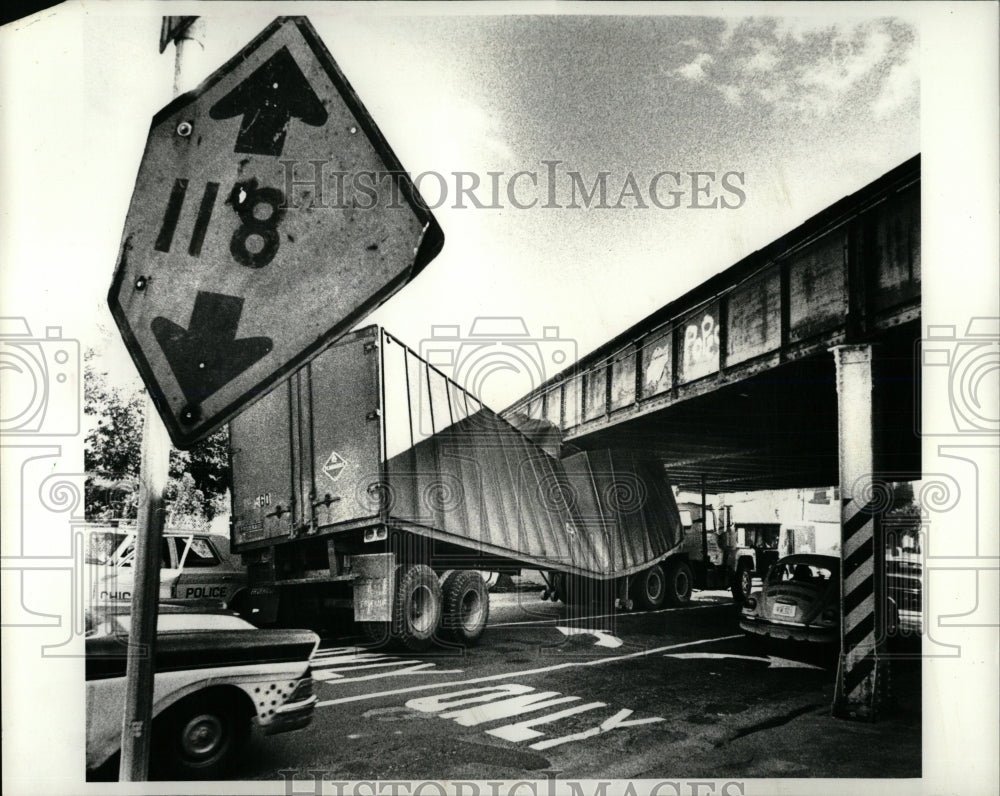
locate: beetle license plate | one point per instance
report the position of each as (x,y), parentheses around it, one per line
(783,610)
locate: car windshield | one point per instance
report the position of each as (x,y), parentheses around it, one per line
(101,546)
(799,572)
(179,622)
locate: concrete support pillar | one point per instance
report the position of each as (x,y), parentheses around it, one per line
(862,676)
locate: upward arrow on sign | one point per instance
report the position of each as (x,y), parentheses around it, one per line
(267,101)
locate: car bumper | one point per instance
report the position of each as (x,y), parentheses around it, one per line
(911,621)
(789,632)
(291,716)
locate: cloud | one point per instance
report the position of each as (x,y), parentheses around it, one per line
(810,67)
(764,60)
(847,60)
(696,69)
(732,94)
(902,83)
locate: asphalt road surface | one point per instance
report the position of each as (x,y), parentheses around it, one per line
(672,693)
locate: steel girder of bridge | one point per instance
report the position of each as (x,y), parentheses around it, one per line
(796,367)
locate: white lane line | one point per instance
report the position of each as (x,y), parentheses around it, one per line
(378,665)
(326,651)
(561,620)
(524,672)
(346,661)
(418,669)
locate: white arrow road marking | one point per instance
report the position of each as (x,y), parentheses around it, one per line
(774,661)
(604,639)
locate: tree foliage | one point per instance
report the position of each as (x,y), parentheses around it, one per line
(198,489)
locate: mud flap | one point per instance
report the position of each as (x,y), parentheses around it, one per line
(262,606)
(374,586)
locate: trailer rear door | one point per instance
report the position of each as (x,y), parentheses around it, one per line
(264,504)
(345,432)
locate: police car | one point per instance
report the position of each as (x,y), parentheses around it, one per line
(196,567)
(219,681)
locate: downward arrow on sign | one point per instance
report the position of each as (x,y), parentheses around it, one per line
(267,101)
(206,356)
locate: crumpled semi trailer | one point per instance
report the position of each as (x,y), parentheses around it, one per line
(371,481)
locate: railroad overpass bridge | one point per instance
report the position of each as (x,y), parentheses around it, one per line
(795,367)
(735,382)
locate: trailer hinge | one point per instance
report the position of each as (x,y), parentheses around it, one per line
(327,500)
(374,414)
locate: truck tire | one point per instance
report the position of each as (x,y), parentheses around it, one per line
(742,583)
(678,583)
(466,606)
(650,588)
(416,610)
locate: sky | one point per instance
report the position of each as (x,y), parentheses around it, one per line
(799,110)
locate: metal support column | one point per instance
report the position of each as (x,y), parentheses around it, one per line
(706,564)
(140,664)
(862,671)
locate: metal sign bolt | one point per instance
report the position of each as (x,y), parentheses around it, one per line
(184,129)
(140,283)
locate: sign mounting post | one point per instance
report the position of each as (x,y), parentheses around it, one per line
(237,265)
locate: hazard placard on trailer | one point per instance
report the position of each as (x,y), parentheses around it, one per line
(242,254)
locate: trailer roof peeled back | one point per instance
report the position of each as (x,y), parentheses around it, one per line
(369,435)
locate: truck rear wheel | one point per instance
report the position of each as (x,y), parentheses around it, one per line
(466,606)
(416,610)
(650,588)
(742,584)
(678,583)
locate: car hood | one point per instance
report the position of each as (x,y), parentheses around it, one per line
(203,649)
